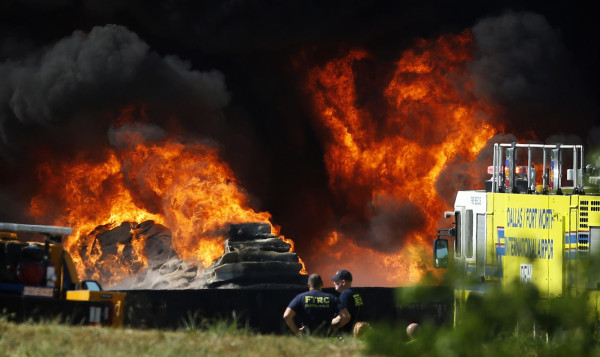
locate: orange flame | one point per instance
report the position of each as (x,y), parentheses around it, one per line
(434,117)
(184,187)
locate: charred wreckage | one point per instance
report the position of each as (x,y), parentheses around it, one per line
(252,282)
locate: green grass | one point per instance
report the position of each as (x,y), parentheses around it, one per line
(504,322)
(52,339)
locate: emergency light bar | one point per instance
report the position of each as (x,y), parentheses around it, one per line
(16,227)
(507,176)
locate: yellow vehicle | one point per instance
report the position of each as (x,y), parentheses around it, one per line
(536,232)
(38,278)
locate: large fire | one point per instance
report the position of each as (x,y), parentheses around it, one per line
(382,169)
(380,166)
(185,187)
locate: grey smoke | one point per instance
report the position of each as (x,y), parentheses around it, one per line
(521,64)
(105,69)
(45,86)
(514,54)
(392,222)
(131,134)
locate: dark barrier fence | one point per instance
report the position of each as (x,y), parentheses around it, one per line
(19,308)
(262,309)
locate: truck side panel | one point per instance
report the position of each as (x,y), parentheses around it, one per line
(528,234)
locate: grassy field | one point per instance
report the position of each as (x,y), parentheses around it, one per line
(511,322)
(51,339)
(221,339)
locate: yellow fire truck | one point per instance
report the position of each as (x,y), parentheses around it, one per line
(38,280)
(534,231)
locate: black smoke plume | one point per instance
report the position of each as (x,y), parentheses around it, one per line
(232,72)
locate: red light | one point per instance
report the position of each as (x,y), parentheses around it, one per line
(30,273)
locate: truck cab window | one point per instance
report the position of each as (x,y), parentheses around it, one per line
(464,233)
(468,222)
(480,244)
(457,241)
(90,285)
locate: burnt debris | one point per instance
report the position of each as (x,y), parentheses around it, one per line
(254,257)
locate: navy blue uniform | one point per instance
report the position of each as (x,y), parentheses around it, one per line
(352,301)
(314,309)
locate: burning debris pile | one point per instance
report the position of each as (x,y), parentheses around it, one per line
(165,269)
(254,256)
(117,244)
